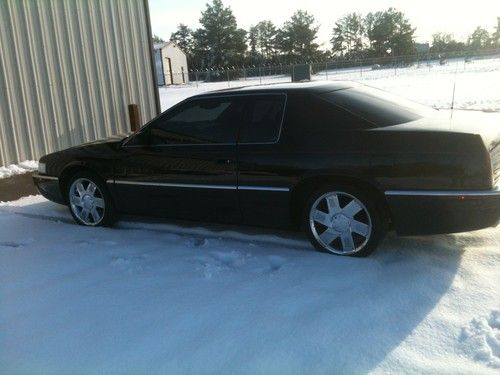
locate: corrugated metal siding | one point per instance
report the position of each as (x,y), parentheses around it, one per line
(68,70)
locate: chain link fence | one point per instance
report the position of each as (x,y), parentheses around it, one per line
(337,68)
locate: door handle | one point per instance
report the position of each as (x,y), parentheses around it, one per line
(224,161)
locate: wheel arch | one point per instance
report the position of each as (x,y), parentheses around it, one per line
(69,171)
(305,187)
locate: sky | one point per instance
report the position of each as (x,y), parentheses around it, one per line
(452,16)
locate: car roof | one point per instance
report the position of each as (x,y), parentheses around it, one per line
(314,87)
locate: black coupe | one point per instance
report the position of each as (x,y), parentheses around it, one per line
(342,160)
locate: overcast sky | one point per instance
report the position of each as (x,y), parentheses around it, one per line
(428,16)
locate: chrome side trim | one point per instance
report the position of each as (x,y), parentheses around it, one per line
(43,177)
(168,184)
(263,188)
(443,193)
(199,186)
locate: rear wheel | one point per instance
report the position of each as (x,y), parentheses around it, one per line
(89,201)
(343,220)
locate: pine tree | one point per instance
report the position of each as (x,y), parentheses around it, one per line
(348,35)
(184,38)
(262,41)
(479,39)
(496,34)
(390,33)
(444,42)
(157,39)
(296,38)
(219,42)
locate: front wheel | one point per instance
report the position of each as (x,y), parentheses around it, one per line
(343,221)
(89,201)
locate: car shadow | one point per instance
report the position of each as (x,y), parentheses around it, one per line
(344,314)
(303,312)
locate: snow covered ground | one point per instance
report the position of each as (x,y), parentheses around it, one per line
(172,298)
(15,169)
(189,298)
(476,84)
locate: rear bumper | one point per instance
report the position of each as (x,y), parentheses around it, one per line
(437,212)
(49,187)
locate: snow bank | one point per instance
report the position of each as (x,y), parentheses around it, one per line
(163,297)
(15,169)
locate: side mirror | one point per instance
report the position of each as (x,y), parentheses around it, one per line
(142,138)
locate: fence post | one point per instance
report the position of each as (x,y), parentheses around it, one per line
(227,74)
(260,75)
(326,70)
(196,77)
(135,117)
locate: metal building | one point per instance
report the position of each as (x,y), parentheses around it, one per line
(68,70)
(171,64)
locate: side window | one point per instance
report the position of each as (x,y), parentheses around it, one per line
(199,121)
(265,114)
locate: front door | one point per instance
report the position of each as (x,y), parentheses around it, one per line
(183,164)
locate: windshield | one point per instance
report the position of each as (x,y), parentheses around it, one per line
(377,106)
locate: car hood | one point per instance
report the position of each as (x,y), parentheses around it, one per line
(104,145)
(487,125)
(118,138)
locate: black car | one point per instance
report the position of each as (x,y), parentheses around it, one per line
(344,161)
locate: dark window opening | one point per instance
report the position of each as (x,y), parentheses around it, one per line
(265,115)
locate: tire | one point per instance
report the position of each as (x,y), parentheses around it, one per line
(343,220)
(89,200)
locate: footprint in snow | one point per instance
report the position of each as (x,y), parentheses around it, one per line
(216,262)
(97,242)
(480,339)
(275,263)
(16,244)
(196,242)
(130,264)
(11,244)
(233,259)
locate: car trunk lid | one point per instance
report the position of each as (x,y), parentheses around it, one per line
(487,125)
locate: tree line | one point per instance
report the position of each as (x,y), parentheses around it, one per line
(220,43)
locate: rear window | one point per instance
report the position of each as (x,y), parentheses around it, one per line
(376,106)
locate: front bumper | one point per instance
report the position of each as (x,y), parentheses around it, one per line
(49,187)
(437,212)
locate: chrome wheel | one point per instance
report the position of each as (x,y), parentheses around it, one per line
(340,223)
(86,201)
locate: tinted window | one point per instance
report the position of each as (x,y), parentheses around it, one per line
(263,123)
(312,114)
(199,121)
(376,106)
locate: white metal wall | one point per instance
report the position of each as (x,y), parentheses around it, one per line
(68,70)
(178,61)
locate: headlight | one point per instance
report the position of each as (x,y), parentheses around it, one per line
(42,168)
